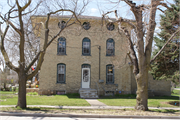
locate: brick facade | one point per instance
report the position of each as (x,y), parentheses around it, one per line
(98,35)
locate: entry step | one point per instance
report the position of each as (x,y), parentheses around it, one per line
(88,93)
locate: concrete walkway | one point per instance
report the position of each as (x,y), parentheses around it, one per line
(95,102)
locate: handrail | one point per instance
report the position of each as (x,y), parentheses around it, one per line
(97,88)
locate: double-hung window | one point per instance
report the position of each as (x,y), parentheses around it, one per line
(61,73)
(61,50)
(110,47)
(86,46)
(109,74)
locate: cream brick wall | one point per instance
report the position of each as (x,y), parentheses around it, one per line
(98,34)
(74,59)
(156,87)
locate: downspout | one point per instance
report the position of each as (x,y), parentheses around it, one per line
(99,47)
(99,62)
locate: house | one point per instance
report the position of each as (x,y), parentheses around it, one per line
(90,59)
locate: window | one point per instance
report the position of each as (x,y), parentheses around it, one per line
(86,66)
(110,47)
(86,25)
(61,49)
(109,74)
(86,46)
(62,24)
(61,73)
(86,73)
(110,26)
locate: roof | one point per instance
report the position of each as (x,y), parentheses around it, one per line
(81,17)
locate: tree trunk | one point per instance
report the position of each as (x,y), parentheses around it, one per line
(5,85)
(22,90)
(142,91)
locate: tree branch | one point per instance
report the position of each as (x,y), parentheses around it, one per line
(133,56)
(160,10)
(165,5)
(131,46)
(29,11)
(38,66)
(41,58)
(150,32)
(67,10)
(3,51)
(24,7)
(165,45)
(130,3)
(32,62)
(128,22)
(46,43)
(58,34)
(12,25)
(132,51)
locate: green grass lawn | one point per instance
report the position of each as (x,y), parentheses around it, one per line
(6,92)
(58,100)
(8,98)
(176,93)
(130,100)
(152,102)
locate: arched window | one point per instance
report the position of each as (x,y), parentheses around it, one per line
(61,47)
(86,66)
(86,46)
(109,74)
(110,49)
(61,73)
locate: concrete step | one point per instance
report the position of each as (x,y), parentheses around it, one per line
(88,93)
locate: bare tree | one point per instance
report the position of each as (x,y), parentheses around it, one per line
(17,12)
(4,72)
(140,52)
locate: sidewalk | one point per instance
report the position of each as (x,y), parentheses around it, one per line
(92,107)
(95,104)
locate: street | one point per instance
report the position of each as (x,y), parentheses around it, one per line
(61,118)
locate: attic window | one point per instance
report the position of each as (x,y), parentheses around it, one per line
(110,26)
(86,25)
(62,24)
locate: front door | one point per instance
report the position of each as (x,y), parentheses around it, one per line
(85,77)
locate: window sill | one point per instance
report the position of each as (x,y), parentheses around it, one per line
(61,54)
(85,55)
(110,84)
(110,55)
(61,83)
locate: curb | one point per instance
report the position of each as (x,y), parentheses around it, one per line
(85,115)
(91,107)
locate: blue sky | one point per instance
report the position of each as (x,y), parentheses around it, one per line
(98,7)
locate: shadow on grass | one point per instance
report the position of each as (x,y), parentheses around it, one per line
(133,96)
(127,96)
(33,109)
(163,111)
(73,95)
(165,97)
